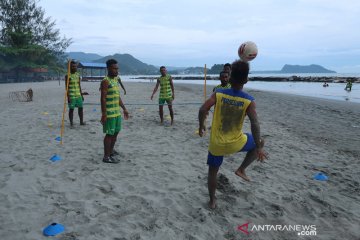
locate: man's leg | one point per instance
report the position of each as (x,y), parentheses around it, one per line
(161,113)
(71,116)
(107,145)
(113,141)
(81,115)
(212,183)
(249,158)
(171,112)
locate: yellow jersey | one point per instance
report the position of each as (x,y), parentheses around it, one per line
(226,130)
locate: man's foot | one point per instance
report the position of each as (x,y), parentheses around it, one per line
(212,204)
(114,153)
(241,173)
(83,123)
(110,160)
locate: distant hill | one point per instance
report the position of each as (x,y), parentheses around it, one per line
(313,68)
(83,57)
(130,66)
(287,68)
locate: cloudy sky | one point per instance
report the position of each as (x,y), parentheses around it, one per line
(198,32)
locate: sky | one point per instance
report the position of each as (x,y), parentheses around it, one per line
(195,32)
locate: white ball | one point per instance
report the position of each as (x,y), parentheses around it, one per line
(248,51)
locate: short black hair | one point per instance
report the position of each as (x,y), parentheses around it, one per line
(110,62)
(223,72)
(227,65)
(162,67)
(73,62)
(239,72)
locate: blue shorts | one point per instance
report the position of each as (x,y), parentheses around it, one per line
(216,161)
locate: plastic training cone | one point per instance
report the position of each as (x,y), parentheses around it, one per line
(45,113)
(58,139)
(321,177)
(55,158)
(94,110)
(53,229)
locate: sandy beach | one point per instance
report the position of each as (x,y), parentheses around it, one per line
(159,188)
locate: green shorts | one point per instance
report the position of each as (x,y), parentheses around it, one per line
(112,125)
(167,100)
(76,102)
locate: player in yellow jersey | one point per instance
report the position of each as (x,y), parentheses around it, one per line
(74,94)
(166,93)
(231,107)
(110,108)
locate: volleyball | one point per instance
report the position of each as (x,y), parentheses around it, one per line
(248,51)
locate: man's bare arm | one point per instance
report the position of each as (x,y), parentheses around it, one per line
(156,88)
(203,111)
(255,126)
(172,88)
(104,90)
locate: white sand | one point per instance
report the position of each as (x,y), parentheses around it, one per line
(159,189)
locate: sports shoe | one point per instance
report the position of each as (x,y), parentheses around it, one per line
(110,160)
(114,153)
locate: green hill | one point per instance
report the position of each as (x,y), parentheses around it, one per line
(83,57)
(313,68)
(130,66)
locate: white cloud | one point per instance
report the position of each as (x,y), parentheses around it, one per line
(190,31)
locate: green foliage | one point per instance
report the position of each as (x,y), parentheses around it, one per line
(28,38)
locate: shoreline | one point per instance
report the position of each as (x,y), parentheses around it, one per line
(269,79)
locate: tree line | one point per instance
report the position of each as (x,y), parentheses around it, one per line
(29,39)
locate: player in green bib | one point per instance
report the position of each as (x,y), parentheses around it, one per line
(166,93)
(110,108)
(74,95)
(224,78)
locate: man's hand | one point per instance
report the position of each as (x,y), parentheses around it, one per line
(202,131)
(103,119)
(173,96)
(124,92)
(126,114)
(152,97)
(82,97)
(261,154)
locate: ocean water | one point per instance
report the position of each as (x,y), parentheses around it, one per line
(335,91)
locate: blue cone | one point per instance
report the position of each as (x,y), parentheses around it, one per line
(53,229)
(94,110)
(55,158)
(58,139)
(321,177)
